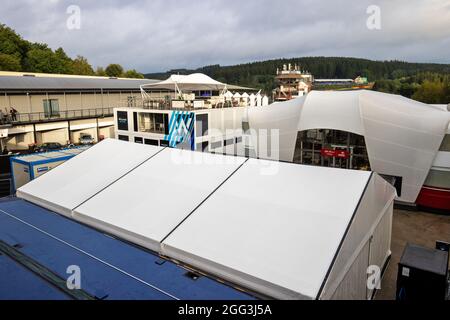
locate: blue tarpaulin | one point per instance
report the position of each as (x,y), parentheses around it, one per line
(110,268)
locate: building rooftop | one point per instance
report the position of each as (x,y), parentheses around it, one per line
(37,246)
(45,156)
(32,82)
(231,204)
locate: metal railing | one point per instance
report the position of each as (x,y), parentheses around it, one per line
(187,105)
(20,118)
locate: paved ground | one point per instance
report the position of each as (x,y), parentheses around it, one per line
(415,227)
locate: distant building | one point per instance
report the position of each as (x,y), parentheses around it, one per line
(358,81)
(216,130)
(58,108)
(198,113)
(196,90)
(292,83)
(333,82)
(361,80)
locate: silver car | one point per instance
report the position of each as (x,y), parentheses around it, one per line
(86,139)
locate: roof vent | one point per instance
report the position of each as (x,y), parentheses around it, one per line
(113,77)
(29,75)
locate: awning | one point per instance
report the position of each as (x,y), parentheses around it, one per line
(192,82)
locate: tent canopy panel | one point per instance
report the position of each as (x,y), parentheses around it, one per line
(274,233)
(70,184)
(192,82)
(147,204)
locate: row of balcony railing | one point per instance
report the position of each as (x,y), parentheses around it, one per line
(21,118)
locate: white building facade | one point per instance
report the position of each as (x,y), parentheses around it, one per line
(211,130)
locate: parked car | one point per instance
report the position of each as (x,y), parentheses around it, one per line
(86,139)
(49,146)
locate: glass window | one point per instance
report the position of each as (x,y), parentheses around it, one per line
(217,144)
(151,142)
(438,179)
(124,138)
(331,148)
(122,120)
(138,140)
(131,101)
(201,124)
(51,108)
(203,147)
(153,123)
(445,146)
(135,121)
(228,142)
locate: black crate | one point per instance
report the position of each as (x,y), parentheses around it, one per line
(422,274)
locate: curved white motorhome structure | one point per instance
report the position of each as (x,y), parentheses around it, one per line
(390,134)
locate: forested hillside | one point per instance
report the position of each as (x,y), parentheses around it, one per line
(17,54)
(425,82)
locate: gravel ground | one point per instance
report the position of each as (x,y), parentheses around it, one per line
(415,227)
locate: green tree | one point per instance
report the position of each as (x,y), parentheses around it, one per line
(41,59)
(100,72)
(133,74)
(114,70)
(12,44)
(431,92)
(81,66)
(62,63)
(9,62)
(446,98)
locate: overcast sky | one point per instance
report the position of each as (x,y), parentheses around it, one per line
(158,35)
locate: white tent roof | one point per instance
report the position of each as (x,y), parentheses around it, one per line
(195,81)
(163,193)
(70,184)
(245,95)
(237,95)
(270,227)
(270,232)
(402,135)
(228,94)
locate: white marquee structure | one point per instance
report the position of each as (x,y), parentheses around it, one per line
(192,82)
(402,136)
(182,84)
(277,230)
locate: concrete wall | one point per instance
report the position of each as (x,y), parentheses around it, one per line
(56,135)
(21,137)
(106,132)
(20,141)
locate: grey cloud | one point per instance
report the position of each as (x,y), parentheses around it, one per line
(157,35)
